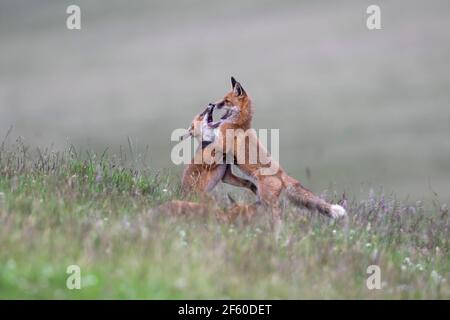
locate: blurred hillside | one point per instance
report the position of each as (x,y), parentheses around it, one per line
(359,108)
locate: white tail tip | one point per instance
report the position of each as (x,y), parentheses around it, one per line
(337,211)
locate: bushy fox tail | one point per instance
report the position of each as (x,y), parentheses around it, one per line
(301,196)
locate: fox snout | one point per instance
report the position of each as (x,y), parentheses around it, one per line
(207,110)
(219,105)
(206,115)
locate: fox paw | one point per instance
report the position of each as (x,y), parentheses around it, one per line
(337,211)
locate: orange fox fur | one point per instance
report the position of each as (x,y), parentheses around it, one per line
(198,176)
(239,106)
(230,215)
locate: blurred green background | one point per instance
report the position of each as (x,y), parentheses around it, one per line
(359,108)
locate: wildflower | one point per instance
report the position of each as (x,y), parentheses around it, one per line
(436,277)
(98,176)
(412,210)
(407,261)
(181,283)
(444,209)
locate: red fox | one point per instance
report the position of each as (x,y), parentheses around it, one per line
(230,215)
(198,176)
(239,114)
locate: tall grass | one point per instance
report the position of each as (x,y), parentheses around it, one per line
(59,208)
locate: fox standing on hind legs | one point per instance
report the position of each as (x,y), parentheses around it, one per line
(270,178)
(203,174)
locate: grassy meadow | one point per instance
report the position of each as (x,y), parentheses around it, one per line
(361,113)
(94,211)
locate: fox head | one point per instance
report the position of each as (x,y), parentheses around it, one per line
(237,104)
(199,127)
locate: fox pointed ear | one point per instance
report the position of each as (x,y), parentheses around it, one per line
(233,82)
(237,88)
(230,199)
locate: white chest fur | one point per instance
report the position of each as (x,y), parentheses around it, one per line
(208,133)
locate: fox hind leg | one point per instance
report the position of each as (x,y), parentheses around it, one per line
(215,176)
(236,181)
(269,189)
